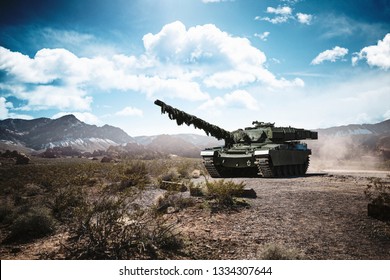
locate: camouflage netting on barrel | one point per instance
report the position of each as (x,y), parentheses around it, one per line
(182,117)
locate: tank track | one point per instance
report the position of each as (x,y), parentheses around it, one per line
(211,169)
(266,170)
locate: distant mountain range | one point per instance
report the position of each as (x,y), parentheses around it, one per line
(67,131)
(381,128)
(43,133)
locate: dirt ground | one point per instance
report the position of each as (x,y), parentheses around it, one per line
(322,216)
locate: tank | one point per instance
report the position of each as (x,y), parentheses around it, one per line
(260,150)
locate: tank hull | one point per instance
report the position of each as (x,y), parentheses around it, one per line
(266,161)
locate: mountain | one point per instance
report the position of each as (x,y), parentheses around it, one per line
(42,133)
(382,128)
(185,145)
(197,140)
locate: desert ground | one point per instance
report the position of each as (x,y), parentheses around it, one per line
(322,215)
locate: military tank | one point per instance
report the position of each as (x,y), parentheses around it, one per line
(260,150)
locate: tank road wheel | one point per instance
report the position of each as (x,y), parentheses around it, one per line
(211,169)
(306,165)
(291,170)
(277,171)
(265,167)
(303,167)
(284,170)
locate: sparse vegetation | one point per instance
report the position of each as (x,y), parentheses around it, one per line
(111,229)
(86,209)
(95,203)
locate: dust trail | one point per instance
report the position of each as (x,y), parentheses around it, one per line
(343,152)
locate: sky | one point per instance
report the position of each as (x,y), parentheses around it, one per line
(301,63)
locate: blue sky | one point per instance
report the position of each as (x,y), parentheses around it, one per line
(303,63)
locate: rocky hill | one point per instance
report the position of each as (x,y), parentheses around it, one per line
(382,128)
(43,133)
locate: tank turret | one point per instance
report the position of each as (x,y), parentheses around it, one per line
(262,149)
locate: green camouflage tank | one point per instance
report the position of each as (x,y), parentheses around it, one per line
(260,150)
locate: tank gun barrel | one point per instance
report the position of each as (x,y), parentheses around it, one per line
(182,117)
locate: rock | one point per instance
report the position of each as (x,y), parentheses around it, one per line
(248,193)
(195,174)
(379,211)
(173,186)
(106,159)
(22,159)
(197,191)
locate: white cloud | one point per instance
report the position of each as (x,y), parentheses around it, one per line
(224,61)
(263,36)
(5,113)
(376,55)
(238,98)
(279,10)
(330,55)
(177,63)
(130,111)
(3,108)
(304,18)
(386,115)
(284,14)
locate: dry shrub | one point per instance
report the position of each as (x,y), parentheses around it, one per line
(280,252)
(136,174)
(172,175)
(67,201)
(35,222)
(378,191)
(174,200)
(6,212)
(223,193)
(111,229)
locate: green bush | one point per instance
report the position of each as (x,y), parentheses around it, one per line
(34,223)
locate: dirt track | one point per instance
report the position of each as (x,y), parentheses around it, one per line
(322,215)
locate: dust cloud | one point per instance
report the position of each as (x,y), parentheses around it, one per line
(344,153)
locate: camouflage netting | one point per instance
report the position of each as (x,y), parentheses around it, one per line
(182,117)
